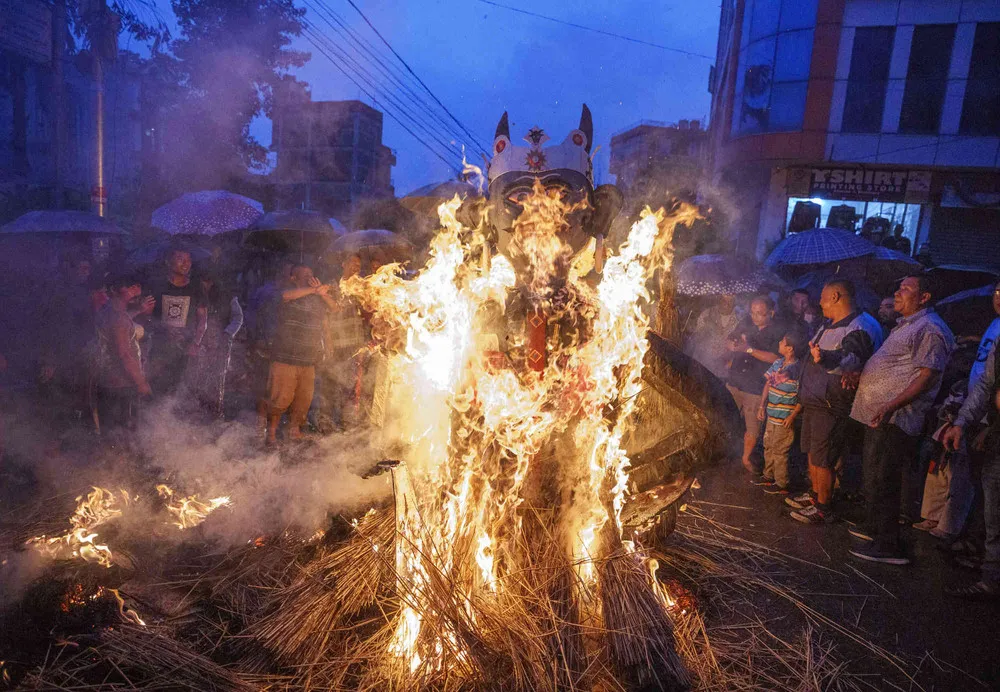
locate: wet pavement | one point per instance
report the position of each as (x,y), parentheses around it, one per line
(952,644)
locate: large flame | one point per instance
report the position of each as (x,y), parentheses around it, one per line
(476,424)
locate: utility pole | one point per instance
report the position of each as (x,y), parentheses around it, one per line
(59,27)
(102,30)
(100,194)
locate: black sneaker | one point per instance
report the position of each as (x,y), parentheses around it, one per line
(812,515)
(800,501)
(873,553)
(776,490)
(764,481)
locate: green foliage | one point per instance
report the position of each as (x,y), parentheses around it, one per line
(234,55)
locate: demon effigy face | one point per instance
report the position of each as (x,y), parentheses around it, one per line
(564,169)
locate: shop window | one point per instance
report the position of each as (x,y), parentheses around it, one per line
(926,78)
(886,215)
(867,80)
(981,107)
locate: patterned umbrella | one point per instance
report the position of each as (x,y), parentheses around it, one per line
(818,246)
(372,240)
(208,212)
(427,199)
(63,221)
(708,275)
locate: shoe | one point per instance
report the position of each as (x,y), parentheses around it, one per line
(873,553)
(763,481)
(980,591)
(812,515)
(800,501)
(905,520)
(776,490)
(926,525)
(861,534)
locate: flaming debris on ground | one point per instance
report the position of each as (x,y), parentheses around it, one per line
(92,512)
(101,506)
(188,512)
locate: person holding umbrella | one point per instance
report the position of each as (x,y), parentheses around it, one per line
(838,353)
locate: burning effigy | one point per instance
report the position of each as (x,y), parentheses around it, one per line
(538,438)
(514,371)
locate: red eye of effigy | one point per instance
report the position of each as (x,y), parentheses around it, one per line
(578,139)
(501,145)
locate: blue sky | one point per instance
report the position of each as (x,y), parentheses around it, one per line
(481,60)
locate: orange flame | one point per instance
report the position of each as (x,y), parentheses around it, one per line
(473,429)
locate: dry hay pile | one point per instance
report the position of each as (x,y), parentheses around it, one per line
(287,614)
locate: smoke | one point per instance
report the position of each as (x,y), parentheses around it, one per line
(270,490)
(296,488)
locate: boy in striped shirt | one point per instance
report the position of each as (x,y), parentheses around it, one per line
(779,405)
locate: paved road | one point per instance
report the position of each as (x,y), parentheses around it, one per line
(902,609)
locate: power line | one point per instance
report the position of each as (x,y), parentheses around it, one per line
(337,62)
(392,71)
(596,31)
(410,70)
(438,125)
(366,76)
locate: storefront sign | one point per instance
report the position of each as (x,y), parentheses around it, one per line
(860,184)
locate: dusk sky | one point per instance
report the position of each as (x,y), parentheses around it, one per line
(480,60)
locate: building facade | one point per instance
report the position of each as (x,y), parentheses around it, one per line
(35,82)
(330,156)
(671,152)
(861,114)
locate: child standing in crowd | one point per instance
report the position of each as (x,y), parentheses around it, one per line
(779,405)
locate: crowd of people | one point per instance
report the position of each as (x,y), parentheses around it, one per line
(838,406)
(842,407)
(108,343)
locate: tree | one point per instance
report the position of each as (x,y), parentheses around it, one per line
(229,60)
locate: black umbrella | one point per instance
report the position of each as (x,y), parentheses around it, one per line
(969,312)
(62,221)
(291,232)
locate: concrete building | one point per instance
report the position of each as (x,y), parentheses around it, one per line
(658,150)
(35,172)
(863,108)
(329,156)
